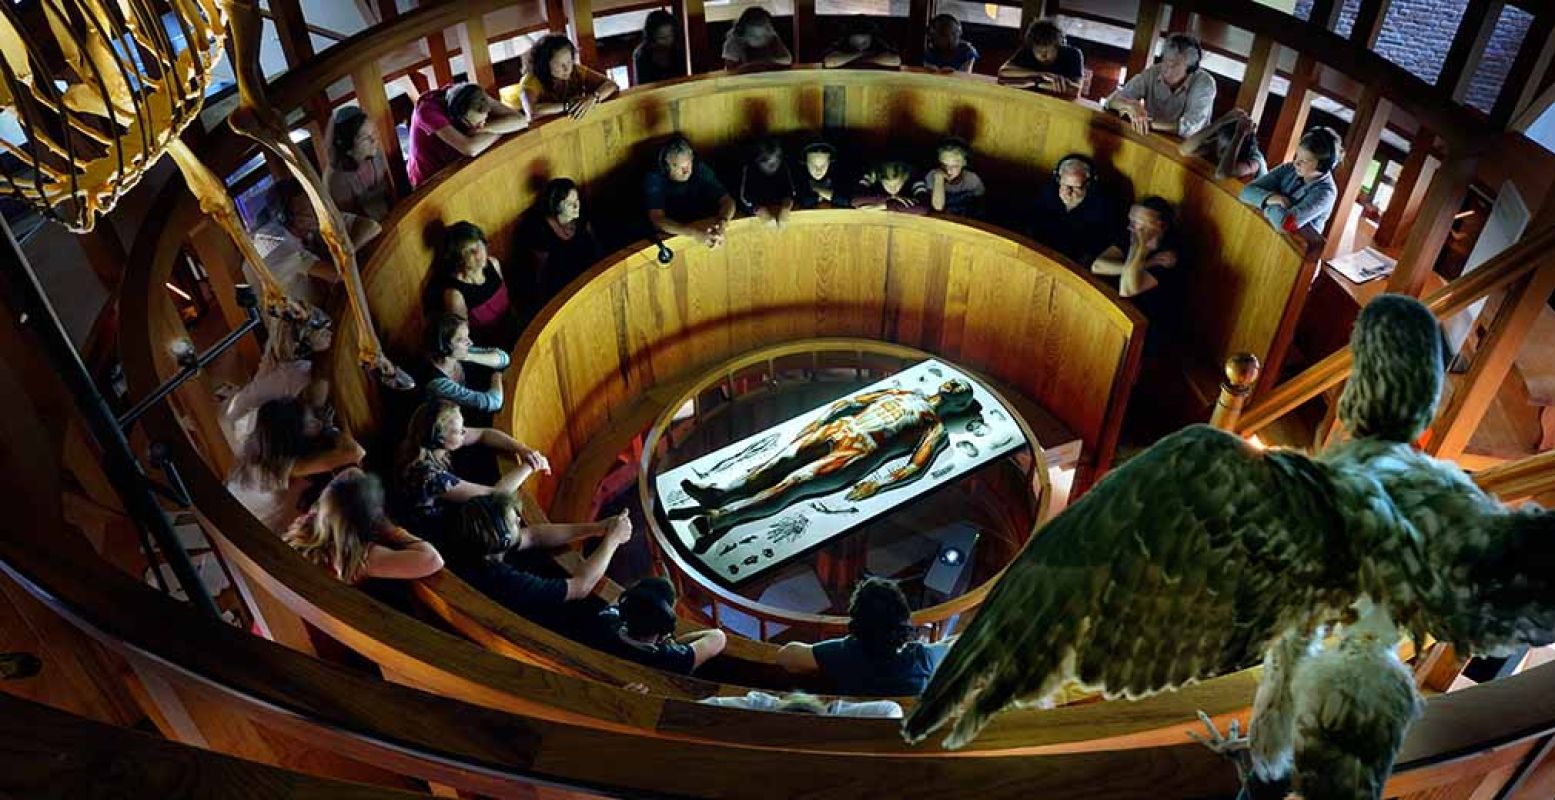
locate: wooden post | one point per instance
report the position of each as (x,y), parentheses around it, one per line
(1533,58)
(1419,167)
(1368,22)
(1241,376)
(1143,49)
(1456,422)
(918,14)
(1179,19)
(442,68)
(580,20)
(373,97)
(1261,65)
(1325,14)
(1293,112)
(1442,202)
(1479,21)
(224,269)
(1360,146)
(556,16)
(1033,10)
(693,18)
(807,47)
(477,53)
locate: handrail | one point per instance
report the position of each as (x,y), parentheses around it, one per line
(1521,479)
(1516,262)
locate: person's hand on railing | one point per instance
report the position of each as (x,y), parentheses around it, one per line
(533,458)
(1134,111)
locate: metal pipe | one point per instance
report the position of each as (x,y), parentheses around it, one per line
(123,471)
(191,368)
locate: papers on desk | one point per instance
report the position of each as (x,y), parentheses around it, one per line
(1363,265)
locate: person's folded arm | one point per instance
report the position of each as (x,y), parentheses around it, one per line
(490,357)
(457,393)
(1257,191)
(1318,200)
(1110,262)
(470,145)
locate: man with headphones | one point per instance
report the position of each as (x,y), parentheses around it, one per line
(1302,192)
(640,627)
(1173,95)
(684,198)
(1073,215)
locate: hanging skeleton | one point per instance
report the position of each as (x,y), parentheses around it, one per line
(100,90)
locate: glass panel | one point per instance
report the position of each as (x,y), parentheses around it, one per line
(1302,9)
(1490,73)
(873,8)
(1347,14)
(1416,35)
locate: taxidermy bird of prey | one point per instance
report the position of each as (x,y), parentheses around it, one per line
(1203,555)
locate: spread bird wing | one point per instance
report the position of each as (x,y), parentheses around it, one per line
(1488,583)
(1181,565)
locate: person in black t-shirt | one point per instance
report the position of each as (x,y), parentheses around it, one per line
(490,533)
(684,198)
(819,184)
(861,45)
(555,240)
(766,187)
(1073,215)
(1046,62)
(659,57)
(1145,262)
(879,656)
(641,627)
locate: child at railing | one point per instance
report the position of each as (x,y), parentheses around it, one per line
(887,188)
(660,56)
(946,52)
(819,184)
(766,187)
(1045,61)
(753,42)
(861,45)
(949,185)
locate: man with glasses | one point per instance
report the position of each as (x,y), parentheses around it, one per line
(1073,215)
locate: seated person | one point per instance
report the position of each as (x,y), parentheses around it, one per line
(1046,61)
(455,121)
(426,485)
(946,52)
(879,656)
(950,186)
(1144,264)
(1073,216)
(753,42)
(861,45)
(820,186)
(886,188)
(766,188)
(293,246)
(285,370)
(556,239)
(449,350)
(659,56)
(1302,193)
(681,194)
(357,178)
(347,533)
(1229,142)
(555,83)
(640,627)
(490,530)
(467,282)
(804,703)
(1173,95)
(289,445)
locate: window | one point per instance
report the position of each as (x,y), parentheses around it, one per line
(981,13)
(1490,73)
(1347,14)
(1417,33)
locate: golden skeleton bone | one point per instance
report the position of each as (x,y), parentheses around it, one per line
(129,90)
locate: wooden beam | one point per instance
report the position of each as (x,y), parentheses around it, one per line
(388,9)
(1442,202)
(1468,44)
(918,14)
(1409,190)
(297,46)
(1360,146)
(1145,30)
(1292,120)
(1325,14)
(1457,421)
(580,22)
(373,97)
(693,18)
(1261,65)
(556,16)
(1533,58)
(477,52)
(1368,22)
(442,67)
(807,47)
(1033,10)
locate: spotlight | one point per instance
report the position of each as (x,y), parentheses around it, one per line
(951,556)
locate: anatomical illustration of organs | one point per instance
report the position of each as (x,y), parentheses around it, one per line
(102,89)
(1204,555)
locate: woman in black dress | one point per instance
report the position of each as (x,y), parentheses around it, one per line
(555,239)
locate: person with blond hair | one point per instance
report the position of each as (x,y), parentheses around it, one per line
(427,486)
(347,533)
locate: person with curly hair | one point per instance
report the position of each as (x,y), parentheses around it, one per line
(555,83)
(1045,62)
(881,654)
(889,186)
